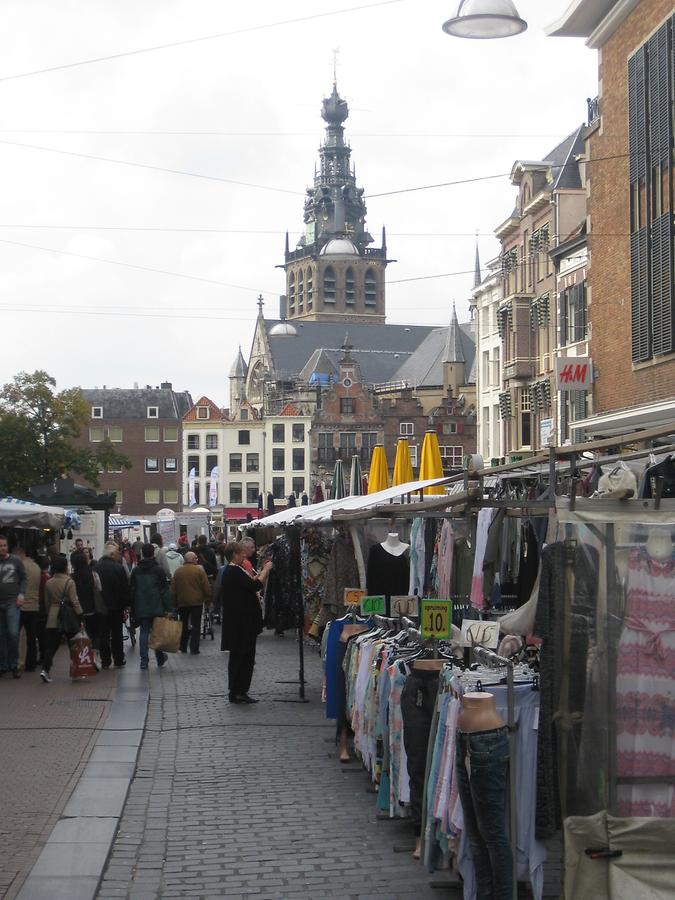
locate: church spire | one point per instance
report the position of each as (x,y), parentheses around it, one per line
(453,352)
(477,277)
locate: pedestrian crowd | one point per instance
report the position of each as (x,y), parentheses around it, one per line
(129,587)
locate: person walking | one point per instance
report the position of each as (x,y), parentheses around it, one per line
(88,585)
(115,591)
(172,560)
(12,591)
(190,590)
(149,598)
(30,611)
(242,620)
(59,587)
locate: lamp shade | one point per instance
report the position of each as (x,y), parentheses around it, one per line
(431,465)
(403,473)
(483,19)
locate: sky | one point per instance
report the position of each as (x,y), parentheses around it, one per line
(79,236)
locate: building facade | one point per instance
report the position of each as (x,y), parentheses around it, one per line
(631,297)
(487,297)
(145,425)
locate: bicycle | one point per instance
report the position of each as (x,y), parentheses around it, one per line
(207,622)
(129,633)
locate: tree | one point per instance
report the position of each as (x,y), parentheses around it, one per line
(38,431)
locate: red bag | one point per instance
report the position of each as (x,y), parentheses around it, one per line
(81,657)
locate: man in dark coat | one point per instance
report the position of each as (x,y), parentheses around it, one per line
(242,621)
(149,599)
(116,596)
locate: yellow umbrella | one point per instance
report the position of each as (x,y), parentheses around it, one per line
(378,476)
(430,463)
(403,472)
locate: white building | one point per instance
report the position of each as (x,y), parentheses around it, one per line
(486,297)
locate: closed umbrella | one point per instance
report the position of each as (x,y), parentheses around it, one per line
(378,476)
(430,463)
(355,478)
(403,472)
(338,489)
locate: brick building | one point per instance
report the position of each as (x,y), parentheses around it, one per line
(631,299)
(144,424)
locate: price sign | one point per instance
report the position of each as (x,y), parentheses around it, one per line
(352,596)
(374,606)
(480,634)
(436,619)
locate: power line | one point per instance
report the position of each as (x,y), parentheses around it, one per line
(267,134)
(208,37)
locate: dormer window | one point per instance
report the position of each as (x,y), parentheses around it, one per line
(97,412)
(153,412)
(203,412)
(243,415)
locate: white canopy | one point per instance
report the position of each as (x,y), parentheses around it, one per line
(321,513)
(24,514)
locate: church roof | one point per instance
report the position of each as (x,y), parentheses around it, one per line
(453,352)
(379,350)
(424,368)
(239,367)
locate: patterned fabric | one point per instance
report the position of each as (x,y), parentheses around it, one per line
(315,551)
(645,689)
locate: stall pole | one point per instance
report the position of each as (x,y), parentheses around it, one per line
(358,553)
(293,533)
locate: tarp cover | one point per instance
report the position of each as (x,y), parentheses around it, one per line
(24,514)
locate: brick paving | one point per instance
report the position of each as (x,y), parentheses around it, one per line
(251,801)
(46,734)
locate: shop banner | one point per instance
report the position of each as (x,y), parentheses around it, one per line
(192,499)
(213,486)
(573,373)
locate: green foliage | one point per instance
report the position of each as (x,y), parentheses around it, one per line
(39,429)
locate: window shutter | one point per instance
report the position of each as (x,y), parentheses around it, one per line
(663,319)
(460,428)
(659,99)
(637,115)
(641,344)
(564,295)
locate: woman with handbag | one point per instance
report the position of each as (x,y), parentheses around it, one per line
(63,612)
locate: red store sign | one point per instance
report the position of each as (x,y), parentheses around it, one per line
(573,373)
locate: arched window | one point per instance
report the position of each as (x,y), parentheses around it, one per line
(350,287)
(309,288)
(329,285)
(291,292)
(370,288)
(300,291)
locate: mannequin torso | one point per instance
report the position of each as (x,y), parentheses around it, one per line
(659,544)
(394,545)
(479,713)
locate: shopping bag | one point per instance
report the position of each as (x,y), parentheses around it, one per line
(67,620)
(165,635)
(81,657)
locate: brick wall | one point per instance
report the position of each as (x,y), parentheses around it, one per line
(620,384)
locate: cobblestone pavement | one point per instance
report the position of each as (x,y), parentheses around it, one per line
(239,801)
(46,734)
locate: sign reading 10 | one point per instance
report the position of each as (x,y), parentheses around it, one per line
(436,619)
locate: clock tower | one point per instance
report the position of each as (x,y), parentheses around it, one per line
(334,274)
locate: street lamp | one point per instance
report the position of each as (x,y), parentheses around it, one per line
(482,19)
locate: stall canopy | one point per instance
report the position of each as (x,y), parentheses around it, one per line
(321,513)
(122,522)
(23,514)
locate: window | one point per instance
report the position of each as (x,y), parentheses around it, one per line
(211,441)
(485,368)
(252,491)
(170,496)
(252,462)
(170,464)
(278,434)
(452,457)
(329,285)
(97,412)
(350,287)
(115,434)
(279,488)
(171,433)
(450,428)
(347,406)
(298,432)
(193,442)
(370,288)
(413,455)
(243,414)
(152,496)
(153,412)
(244,437)
(301,292)
(348,443)
(573,325)
(197,493)
(298,486)
(211,463)
(291,292)
(203,412)
(152,433)
(193,463)
(119,495)
(406,429)
(278,459)
(235,462)
(113,470)
(96,434)
(235,492)
(325,451)
(368,441)
(151,464)
(309,288)
(525,412)
(298,458)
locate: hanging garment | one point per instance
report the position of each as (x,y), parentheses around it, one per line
(446,546)
(283,595)
(315,555)
(645,690)
(417,706)
(341,573)
(417,547)
(387,574)
(665,470)
(485,517)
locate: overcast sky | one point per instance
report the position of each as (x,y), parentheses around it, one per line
(424,108)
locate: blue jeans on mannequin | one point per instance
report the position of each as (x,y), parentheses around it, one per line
(482,773)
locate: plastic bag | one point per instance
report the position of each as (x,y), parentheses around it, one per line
(82,663)
(165,635)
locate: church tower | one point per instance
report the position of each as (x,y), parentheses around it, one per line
(334,275)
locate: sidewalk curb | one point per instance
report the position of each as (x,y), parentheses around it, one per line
(72,861)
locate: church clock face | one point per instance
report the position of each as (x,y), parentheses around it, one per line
(347,382)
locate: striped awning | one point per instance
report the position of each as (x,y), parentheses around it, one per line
(122,522)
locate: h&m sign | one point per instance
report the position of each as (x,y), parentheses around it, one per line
(573,373)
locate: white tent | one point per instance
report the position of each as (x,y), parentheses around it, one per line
(321,513)
(24,514)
